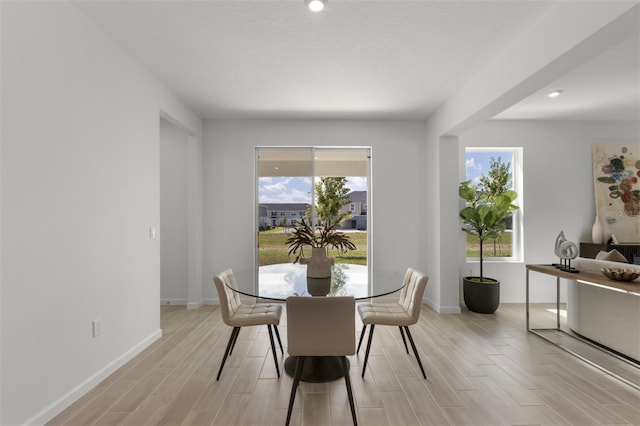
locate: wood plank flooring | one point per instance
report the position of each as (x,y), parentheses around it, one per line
(481,370)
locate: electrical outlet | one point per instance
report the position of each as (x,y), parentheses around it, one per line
(97,327)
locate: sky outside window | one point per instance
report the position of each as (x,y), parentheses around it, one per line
(296,189)
(478,163)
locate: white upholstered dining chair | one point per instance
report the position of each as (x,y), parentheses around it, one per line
(403,313)
(321,326)
(237,315)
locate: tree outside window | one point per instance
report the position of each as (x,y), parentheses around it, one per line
(497,169)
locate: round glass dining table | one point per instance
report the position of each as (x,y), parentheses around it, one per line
(279,281)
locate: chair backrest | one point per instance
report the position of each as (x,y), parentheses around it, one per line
(411,293)
(229,300)
(321,326)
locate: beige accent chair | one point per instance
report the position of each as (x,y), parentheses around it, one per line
(237,314)
(321,326)
(403,313)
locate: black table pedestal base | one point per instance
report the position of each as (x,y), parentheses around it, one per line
(317,369)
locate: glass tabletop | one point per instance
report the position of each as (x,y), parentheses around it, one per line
(279,281)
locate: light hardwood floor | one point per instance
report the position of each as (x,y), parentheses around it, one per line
(481,370)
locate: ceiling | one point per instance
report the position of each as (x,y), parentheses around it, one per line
(607,88)
(357,59)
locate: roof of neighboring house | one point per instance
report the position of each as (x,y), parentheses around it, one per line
(286,206)
(358,196)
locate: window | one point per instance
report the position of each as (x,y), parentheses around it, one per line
(352,207)
(478,163)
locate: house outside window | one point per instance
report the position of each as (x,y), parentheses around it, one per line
(509,248)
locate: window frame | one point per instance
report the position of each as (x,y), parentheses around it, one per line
(517,240)
(314,173)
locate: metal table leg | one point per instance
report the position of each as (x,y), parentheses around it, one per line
(558,303)
(527,303)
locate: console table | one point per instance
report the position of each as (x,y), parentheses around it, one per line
(582,278)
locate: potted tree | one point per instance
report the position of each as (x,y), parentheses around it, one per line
(488,206)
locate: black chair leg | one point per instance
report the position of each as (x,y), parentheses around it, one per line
(275,328)
(403,339)
(227,351)
(415,351)
(366,354)
(364,327)
(235,339)
(347,380)
(294,387)
(273,349)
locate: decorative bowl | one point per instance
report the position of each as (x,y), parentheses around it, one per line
(621,274)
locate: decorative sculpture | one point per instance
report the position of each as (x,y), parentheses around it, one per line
(559,240)
(566,251)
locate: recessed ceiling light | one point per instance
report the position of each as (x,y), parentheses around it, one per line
(554,94)
(316,5)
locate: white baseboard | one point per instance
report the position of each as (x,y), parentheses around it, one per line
(203,302)
(194,305)
(449,310)
(173,301)
(442,309)
(65,401)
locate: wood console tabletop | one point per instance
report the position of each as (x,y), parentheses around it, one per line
(588,278)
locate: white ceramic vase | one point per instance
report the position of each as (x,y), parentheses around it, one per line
(597,233)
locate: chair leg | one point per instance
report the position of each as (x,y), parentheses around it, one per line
(366,354)
(275,328)
(294,387)
(415,351)
(273,349)
(235,339)
(347,380)
(364,327)
(227,351)
(403,339)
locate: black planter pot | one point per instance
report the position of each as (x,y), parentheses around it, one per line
(481,297)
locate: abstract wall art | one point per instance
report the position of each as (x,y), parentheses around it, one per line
(616,174)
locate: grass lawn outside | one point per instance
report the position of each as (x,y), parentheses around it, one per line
(272,248)
(501,248)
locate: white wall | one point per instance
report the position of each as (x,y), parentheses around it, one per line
(174,229)
(79,190)
(397,200)
(558,191)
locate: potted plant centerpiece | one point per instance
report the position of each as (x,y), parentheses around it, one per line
(488,206)
(318,239)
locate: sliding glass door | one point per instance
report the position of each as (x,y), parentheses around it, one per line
(290,186)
